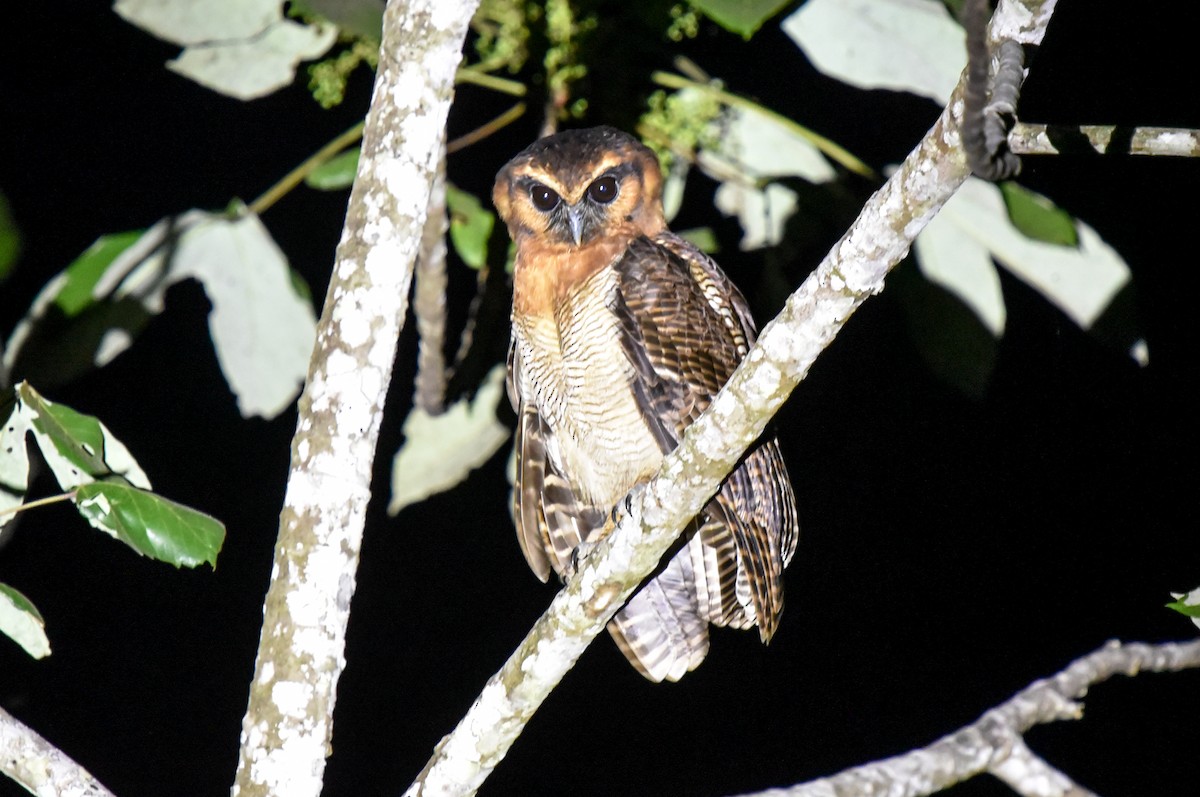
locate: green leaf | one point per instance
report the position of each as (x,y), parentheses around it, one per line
(77,291)
(1184,608)
(336,173)
(152,525)
(20,620)
(470,226)
(360,17)
(703,238)
(1037,217)
(77,447)
(10,239)
(742,17)
(1187,604)
(299,286)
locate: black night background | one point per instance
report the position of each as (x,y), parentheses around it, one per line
(952,549)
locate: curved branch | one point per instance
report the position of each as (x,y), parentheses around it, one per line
(993,743)
(41,767)
(288,723)
(653,516)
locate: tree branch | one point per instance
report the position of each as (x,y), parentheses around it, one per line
(41,767)
(993,743)
(653,516)
(1031,139)
(429,299)
(288,723)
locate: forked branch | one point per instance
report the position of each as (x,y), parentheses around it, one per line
(994,743)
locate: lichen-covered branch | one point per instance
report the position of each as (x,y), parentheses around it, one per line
(1032,139)
(41,767)
(994,742)
(653,516)
(288,723)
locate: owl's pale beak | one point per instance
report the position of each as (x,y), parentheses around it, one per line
(575,222)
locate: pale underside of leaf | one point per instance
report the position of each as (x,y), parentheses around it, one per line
(674,182)
(1081,281)
(755,149)
(21,621)
(256,67)
(115,455)
(241,48)
(762,212)
(187,22)
(903,45)
(440,451)
(14,462)
(951,256)
(262,329)
(77,448)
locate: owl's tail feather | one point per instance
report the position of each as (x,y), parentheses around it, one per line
(660,629)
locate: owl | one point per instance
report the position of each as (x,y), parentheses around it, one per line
(622,334)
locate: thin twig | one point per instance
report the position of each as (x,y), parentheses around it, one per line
(467,338)
(50,499)
(488,128)
(1033,139)
(467,74)
(429,299)
(552,110)
(834,151)
(297,175)
(993,743)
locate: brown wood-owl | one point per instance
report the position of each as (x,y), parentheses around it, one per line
(622,333)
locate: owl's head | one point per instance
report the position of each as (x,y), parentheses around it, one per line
(577,185)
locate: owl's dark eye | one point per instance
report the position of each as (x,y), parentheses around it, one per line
(544,199)
(603,190)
